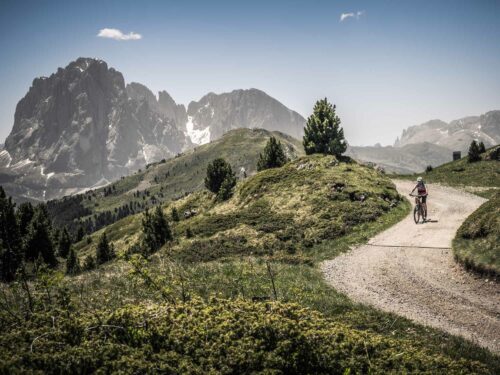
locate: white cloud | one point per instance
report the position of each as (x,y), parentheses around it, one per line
(118,34)
(354,15)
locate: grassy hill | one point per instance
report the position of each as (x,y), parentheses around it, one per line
(477,244)
(165,180)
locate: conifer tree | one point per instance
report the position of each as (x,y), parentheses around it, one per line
(482,147)
(64,243)
(89,263)
(80,234)
(218,171)
(273,156)
(39,241)
(474,154)
(25,214)
(156,230)
(104,252)
(175,214)
(161,227)
(226,189)
(72,263)
(10,238)
(323,133)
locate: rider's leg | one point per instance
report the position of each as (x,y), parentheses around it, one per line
(424,205)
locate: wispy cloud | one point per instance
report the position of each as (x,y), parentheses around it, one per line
(118,34)
(354,15)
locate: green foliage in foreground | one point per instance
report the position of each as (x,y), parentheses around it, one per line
(195,337)
(477,244)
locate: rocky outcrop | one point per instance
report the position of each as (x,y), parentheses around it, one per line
(164,105)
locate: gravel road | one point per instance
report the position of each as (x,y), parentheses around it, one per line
(409,270)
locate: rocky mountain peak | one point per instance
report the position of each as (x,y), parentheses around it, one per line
(218,113)
(79,127)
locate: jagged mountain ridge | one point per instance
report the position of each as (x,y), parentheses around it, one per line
(79,128)
(431,143)
(456,135)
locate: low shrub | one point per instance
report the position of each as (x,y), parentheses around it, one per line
(225,337)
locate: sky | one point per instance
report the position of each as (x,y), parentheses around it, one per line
(385,64)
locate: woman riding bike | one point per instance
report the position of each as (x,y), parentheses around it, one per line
(422,194)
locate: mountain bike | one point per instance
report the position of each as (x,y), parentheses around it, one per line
(418,211)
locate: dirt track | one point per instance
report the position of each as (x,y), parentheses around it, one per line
(409,270)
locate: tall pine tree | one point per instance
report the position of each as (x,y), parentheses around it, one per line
(273,156)
(72,263)
(323,133)
(39,241)
(104,251)
(218,171)
(10,238)
(25,213)
(474,154)
(64,244)
(482,147)
(156,230)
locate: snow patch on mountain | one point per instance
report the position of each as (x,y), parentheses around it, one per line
(198,137)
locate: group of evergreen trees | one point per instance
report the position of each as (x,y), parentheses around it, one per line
(27,235)
(475,151)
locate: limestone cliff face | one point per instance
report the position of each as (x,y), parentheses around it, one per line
(80,127)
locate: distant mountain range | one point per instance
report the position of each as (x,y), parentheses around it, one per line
(456,135)
(432,143)
(82,127)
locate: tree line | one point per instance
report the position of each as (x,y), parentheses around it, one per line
(28,236)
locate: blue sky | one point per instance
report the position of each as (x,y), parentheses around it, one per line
(390,65)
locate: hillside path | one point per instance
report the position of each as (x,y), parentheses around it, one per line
(409,270)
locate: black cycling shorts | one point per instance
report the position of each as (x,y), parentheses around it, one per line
(424,198)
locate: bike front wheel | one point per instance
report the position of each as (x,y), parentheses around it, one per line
(416,214)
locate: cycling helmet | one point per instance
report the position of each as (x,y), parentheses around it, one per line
(419,179)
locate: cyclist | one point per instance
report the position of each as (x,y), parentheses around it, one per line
(422,194)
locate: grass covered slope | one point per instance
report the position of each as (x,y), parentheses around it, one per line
(223,337)
(193,306)
(282,211)
(460,173)
(477,243)
(166,180)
